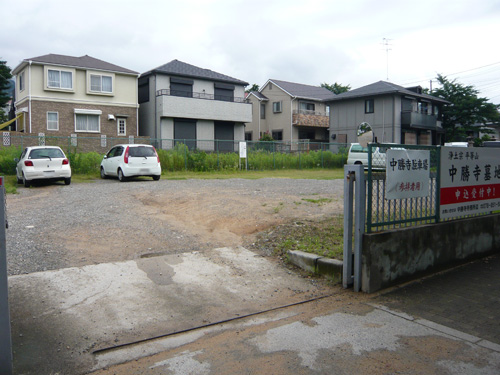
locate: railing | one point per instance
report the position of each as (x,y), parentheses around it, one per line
(410,118)
(306,112)
(200,95)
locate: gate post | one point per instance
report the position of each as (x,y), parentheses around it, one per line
(5,334)
(354,177)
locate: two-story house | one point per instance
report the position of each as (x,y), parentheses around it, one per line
(75,96)
(201,108)
(289,112)
(396,114)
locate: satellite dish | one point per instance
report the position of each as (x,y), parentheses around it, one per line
(365,134)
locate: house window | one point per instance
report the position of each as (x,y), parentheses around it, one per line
(278,135)
(262,111)
(59,79)
(248,136)
(369,106)
(122,126)
(52,121)
(101,83)
(21,81)
(277,107)
(181,87)
(307,106)
(423,108)
(224,92)
(87,123)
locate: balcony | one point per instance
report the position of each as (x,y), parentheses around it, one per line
(410,119)
(310,118)
(200,95)
(202,106)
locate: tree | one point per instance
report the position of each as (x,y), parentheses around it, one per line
(5,86)
(255,87)
(465,111)
(336,88)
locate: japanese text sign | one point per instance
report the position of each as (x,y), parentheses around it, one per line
(470,181)
(407,173)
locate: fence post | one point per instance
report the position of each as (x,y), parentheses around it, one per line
(370,190)
(351,273)
(298,150)
(438,183)
(185,156)
(5,331)
(274,158)
(217,147)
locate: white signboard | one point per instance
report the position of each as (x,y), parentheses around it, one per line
(243,150)
(470,181)
(407,174)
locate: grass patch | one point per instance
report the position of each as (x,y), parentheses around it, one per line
(323,238)
(308,174)
(319,201)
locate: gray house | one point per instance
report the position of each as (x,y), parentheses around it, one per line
(396,114)
(204,109)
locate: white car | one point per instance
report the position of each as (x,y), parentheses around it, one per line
(359,155)
(131,160)
(43,163)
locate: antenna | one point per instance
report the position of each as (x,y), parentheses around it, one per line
(386,44)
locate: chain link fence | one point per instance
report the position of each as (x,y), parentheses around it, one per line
(203,155)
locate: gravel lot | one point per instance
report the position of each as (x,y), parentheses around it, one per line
(57,226)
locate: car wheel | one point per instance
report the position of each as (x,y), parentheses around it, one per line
(156,177)
(103,174)
(121,177)
(26,182)
(67,181)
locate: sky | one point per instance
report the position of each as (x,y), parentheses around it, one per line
(351,42)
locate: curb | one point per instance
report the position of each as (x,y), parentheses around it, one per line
(327,267)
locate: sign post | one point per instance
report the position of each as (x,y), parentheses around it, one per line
(5,334)
(243,154)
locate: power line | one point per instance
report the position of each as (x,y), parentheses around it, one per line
(452,74)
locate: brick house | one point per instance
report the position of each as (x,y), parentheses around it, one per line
(75,96)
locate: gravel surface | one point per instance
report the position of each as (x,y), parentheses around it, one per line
(58,226)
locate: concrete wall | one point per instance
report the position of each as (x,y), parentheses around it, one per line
(395,256)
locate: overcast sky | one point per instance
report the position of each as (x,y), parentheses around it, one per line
(308,42)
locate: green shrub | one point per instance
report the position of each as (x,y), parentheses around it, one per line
(7,162)
(85,163)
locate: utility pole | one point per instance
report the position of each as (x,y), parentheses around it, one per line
(386,44)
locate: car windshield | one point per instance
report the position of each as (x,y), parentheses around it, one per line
(141,152)
(358,148)
(46,153)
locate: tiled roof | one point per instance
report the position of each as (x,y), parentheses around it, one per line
(182,69)
(259,95)
(86,61)
(304,91)
(382,88)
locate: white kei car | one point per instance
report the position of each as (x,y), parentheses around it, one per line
(131,160)
(42,163)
